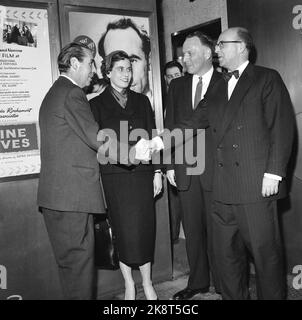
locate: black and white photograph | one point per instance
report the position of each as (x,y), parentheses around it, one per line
(23,33)
(150,153)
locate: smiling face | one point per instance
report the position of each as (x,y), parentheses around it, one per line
(229,54)
(130,42)
(120,75)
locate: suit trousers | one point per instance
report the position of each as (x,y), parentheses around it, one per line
(71,235)
(254,229)
(194,223)
(175,212)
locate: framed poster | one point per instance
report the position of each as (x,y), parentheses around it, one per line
(106,29)
(26,75)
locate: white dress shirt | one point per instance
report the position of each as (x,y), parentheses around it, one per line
(206,78)
(64,75)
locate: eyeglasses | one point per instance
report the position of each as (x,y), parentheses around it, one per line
(221,43)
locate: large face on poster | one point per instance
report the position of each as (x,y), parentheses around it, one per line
(25,74)
(105,33)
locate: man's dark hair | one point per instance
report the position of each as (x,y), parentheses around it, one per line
(125,23)
(245,36)
(110,60)
(172,64)
(204,39)
(72,50)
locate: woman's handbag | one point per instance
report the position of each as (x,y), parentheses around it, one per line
(106,256)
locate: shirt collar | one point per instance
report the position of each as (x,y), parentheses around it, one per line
(242,67)
(205,77)
(65,76)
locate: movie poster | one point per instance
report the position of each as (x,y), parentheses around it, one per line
(88,28)
(25,77)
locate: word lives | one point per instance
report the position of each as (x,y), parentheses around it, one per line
(15,138)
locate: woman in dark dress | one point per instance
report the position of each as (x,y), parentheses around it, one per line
(130,190)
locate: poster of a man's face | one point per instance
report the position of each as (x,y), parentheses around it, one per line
(115,32)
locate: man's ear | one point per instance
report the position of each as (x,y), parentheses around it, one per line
(149,62)
(242,47)
(207,53)
(74,63)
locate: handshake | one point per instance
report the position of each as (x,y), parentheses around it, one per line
(145,148)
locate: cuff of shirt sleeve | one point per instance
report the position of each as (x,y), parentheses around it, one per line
(159,143)
(273,176)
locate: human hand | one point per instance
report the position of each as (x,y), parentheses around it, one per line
(156,144)
(171,177)
(157,184)
(143,150)
(269,187)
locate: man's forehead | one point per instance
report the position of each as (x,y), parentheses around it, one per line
(193,42)
(172,70)
(123,39)
(228,34)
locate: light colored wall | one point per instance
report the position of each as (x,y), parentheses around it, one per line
(182,14)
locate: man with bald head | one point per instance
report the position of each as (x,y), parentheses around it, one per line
(253,138)
(252,122)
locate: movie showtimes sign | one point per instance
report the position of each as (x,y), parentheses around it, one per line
(25,77)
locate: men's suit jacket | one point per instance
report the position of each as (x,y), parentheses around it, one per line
(252,134)
(179,107)
(69,178)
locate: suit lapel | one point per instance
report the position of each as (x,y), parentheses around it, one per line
(217,97)
(231,108)
(188,92)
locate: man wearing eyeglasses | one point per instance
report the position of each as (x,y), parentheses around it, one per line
(251,119)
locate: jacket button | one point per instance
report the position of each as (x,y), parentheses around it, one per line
(235,146)
(239,127)
(214,130)
(220,164)
(237,164)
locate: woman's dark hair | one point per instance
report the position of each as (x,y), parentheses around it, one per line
(110,60)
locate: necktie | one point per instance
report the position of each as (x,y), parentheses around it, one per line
(228,75)
(198,92)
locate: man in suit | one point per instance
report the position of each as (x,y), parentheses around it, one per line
(252,121)
(194,190)
(69,186)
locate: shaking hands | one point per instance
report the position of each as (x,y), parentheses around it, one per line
(145,148)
